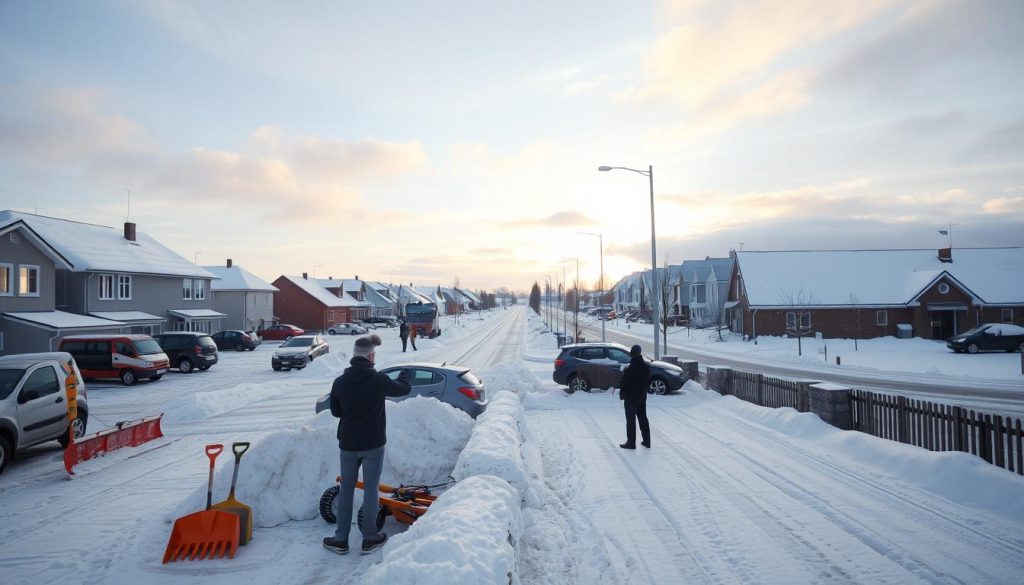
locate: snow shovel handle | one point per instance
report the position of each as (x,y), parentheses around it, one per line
(238,449)
(212,451)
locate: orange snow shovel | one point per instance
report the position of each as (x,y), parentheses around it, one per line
(232,505)
(206,534)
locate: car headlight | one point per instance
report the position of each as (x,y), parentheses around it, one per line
(147,364)
(960,340)
(276,356)
(676,373)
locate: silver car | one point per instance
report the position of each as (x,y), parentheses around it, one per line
(33,401)
(346,329)
(455,385)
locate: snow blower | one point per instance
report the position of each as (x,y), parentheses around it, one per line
(405,502)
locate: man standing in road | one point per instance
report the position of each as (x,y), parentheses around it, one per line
(635,381)
(403,332)
(357,399)
(412,337)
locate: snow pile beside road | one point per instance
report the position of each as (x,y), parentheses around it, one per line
(283,474)
(515,376)
(330,365)
(540,344)
(468,537)
(425,437)
(203,405)
(496,445)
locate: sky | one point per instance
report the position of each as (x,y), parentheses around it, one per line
(434,142)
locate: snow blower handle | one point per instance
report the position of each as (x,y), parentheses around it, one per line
(238,449)
(211,451)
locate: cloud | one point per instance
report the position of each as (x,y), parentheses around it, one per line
(481,158)
(559,219)
(580,86)
(1004,205)
(491,251)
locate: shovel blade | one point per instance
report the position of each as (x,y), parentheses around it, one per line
(210,532)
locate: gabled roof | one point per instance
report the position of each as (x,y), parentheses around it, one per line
(313,289)
(41,244)
(469,294)
(95,248)
(377,297)
(348,284)
(409,295)
(237,278)
(697,270)
(879,277)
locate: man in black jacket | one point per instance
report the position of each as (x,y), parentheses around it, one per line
(635,381)
(403,334)
(357,398)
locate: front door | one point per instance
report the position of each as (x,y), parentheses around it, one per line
(42,410)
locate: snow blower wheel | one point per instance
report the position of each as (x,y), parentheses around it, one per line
(327,509)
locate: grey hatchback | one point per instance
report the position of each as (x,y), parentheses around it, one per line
(452,384)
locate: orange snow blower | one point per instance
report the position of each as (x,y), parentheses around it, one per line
(207,534)
(405,502)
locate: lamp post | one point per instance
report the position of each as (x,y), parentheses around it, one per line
(600,243)
(649,173)
(547,299)
(576,298)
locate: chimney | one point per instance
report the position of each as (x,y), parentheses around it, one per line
(305,276)
(229,262)
(330,278)
(129,231)
(357,277)
(946,255)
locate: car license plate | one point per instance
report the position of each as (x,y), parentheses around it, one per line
(161,371)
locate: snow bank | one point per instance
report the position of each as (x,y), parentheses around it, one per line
(495,447)
(330,365)
(468,536)
(203,405)
(283,475)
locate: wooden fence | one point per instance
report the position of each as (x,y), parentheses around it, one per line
(767,391)
(940,427)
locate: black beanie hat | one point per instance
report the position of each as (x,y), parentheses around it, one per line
(636,351)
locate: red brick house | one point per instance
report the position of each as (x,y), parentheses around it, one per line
(867,293)
(302,301)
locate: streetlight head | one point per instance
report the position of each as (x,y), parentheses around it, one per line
(604,168)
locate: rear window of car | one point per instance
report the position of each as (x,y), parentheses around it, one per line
(9,378)
(146,347)
(298,342)
(207,342)
(469,378)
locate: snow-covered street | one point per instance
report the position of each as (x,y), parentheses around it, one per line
(729,493)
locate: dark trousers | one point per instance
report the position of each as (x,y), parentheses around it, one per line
(405,340)
(636,410)
(412,340)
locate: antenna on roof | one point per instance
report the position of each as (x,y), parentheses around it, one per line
(129,214)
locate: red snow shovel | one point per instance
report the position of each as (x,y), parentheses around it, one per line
(206,534)
(232,505)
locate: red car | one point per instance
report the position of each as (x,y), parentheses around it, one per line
(280,332)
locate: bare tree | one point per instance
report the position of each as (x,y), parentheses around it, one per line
(665,302)
(798,322)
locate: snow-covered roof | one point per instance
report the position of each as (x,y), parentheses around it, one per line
(698,270)
(236,278)
(409,295)
(377,297)
(96,248)
(431,293)
(43,246)
(349,284)
(468,294)
(62,320)
(126,316)
(196,313)
(313,288)
(879,277)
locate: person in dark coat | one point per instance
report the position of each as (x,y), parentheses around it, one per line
(357,399)
(403,332)
(635,381)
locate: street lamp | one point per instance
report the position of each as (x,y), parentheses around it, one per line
(649,173)
(547,298)
(576,298)
(600,243)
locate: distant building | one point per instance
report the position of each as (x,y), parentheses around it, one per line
(303,302)
(246,299)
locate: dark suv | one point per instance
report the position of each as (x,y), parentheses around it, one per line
(582,366)
(188,350)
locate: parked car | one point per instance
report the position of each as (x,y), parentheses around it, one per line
(346,329)
(451,384)
(582,366)
(383,321)
(279,332)
(128,357)
(188,350)
(236,339)
(34,389)
(298,351)
(990,336)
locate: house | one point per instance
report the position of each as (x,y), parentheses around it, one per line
(385,304)
(434,294)
(303,302)
(354,288)
(868,293)
(454,303)
(669,285)
(409,295)
(475,303)
(125,278)
(628,293)
(246,299)
(703,289)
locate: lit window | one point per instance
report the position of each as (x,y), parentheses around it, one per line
(6,279)
(28,281)
(124,287)
(106,287)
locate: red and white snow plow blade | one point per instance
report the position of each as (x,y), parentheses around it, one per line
(130,433)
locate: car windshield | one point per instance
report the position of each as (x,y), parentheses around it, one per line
(469,378)
(298,342)
(9,378)
(146,347)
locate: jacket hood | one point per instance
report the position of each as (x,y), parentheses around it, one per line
(360,370)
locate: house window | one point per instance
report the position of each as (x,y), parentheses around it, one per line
(106,287)
(943,288)
(6,279)
(124,287)
(882,318)
(186,289)
(199,290)
(28,281)
(804,320)
(1007,315)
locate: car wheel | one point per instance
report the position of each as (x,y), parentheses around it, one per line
(331,332)
(79,427)
(327,504)
(239,346)
(185,365)
(578,384)
(276,368)
(354,332)
(204,368)
(156,377)
(381,516)
(972,348)
(657,386)
(252,349)
(6,452)
(128,377)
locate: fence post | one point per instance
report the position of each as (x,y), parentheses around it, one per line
(720,379)
(831,402)
(759,389)
(902,420)
(869,413)
(986,437)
